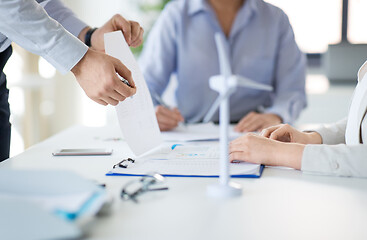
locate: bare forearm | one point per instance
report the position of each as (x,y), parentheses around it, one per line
(289,155)
(313,138)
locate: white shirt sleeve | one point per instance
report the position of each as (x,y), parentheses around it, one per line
(26,23)
(332,133)
(338,160)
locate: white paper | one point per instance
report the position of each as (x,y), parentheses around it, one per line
(179,151)
(136,114)
(202,160)
(187,167)
(197,132)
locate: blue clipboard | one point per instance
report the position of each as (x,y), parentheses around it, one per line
(201,176)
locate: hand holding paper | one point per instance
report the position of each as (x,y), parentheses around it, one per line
(132,31)
(136,115)
(96,74)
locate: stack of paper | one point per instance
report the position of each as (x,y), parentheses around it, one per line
(21,219)
(59,194)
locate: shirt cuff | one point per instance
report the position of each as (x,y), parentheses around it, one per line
(66,53)
(337,160)
(331,133)
(313,160)
(327,137)
(74,25)
(4,45)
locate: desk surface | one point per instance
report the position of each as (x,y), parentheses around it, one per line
(282,204)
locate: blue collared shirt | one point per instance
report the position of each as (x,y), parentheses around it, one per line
(262,47)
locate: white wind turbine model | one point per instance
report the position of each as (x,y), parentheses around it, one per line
(225,84)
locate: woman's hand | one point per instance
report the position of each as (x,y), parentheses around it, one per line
(287,133)
(257,149)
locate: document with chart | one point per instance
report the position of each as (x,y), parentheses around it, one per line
(186,160)
(136,114)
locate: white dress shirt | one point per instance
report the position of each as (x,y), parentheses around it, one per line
(28,24)
(344,148)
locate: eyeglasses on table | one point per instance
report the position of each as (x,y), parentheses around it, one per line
(124,163)
(145,184)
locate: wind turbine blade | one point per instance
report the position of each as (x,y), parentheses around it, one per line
(248,83)
(212,110)
(222,47)
(215,106)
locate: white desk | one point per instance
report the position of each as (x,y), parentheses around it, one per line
(282,204)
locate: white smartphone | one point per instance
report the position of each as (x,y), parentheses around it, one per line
(82,152)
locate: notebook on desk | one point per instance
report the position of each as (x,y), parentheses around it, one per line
(180,160)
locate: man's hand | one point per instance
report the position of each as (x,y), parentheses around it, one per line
(256,149)
(132,31)
(96,74)
(257,121)
(167,118)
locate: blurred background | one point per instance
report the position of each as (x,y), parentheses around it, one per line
(44,102)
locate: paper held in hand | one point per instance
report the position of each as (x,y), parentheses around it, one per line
(136,114)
